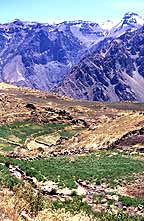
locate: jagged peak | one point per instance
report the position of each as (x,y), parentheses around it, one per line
(130,14)
(17,21)
(132,18)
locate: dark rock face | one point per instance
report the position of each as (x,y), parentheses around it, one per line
(40,55)
(113,72)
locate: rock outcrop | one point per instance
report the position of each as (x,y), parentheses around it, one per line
(114,72)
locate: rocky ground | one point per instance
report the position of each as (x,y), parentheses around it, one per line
(40,130)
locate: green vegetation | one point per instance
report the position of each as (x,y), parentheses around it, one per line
(99,168)
(16,133)
(21,130)
(128,201)
(5,177)
(6,146)
(76,205)
(104,166)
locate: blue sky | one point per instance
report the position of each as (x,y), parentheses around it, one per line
(60,10)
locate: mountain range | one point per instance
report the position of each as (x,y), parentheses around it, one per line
(80,59)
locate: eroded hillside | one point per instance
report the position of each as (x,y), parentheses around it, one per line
(113,72)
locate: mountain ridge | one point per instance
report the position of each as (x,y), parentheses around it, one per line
(41,56)
(112,73)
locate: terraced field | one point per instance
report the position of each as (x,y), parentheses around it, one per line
(67,160)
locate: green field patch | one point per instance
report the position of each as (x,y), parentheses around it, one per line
(8,147)
(6,179)
(98,167)
(128,201)
(19,131)
(65,171)
(4,146)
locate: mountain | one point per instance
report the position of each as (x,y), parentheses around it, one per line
(130,21)
(40,55)
(115,72)
(113,30)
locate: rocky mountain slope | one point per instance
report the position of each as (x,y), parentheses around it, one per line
(114,72)
(41,55)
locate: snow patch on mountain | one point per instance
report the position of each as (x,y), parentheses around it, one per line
(108,25)
(130,21)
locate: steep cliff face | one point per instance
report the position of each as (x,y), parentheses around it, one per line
(115,72)
(40,55)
